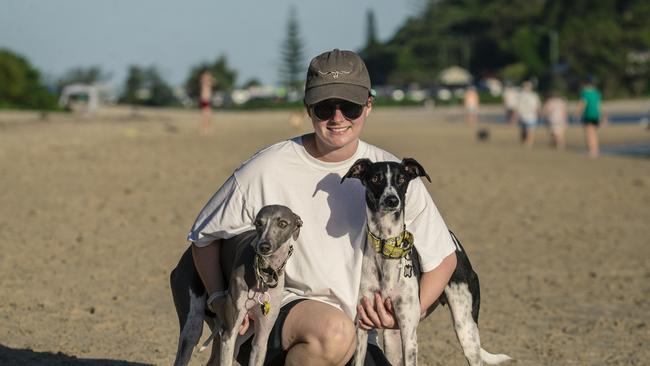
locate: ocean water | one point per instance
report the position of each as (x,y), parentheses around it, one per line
(622,118)
(641,150)
(619,118)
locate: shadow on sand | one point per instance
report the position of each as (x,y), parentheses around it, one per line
(21,357)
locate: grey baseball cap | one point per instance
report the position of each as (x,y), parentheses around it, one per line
(337,74)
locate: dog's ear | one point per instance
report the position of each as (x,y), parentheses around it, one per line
(414,169)
(296,231)
(358,169)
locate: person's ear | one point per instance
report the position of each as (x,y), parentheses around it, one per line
(306,108)
(371,99)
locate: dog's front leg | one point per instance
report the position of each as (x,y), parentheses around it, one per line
(369,285)
(392,346)
(408,315)
(215,351)
(263,326)
(409,344)
(229,338)
(228,347)
(362,346)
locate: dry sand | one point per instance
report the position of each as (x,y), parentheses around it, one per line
(94,213)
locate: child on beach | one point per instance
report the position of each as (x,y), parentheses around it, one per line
(555,113)
(471,102)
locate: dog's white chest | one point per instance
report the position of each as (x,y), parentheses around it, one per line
(397,277)
(391,277)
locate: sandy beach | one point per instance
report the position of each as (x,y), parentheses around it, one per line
(94,212)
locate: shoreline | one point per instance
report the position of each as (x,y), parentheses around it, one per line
(617,139)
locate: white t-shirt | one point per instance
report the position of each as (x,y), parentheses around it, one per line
(326,263)
(528,106)
(510,96)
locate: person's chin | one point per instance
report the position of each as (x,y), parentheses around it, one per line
(339,140)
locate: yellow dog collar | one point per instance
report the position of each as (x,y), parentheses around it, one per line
(394,248)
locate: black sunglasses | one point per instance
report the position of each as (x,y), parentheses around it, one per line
(325,110)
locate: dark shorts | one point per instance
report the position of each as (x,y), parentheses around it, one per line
(591,121)
(276,355)
(204,103)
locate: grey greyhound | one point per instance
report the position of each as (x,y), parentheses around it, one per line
(253,265)
(390,267)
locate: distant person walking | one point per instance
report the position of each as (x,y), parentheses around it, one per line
(590,114)
(510,96)
(471,101)
(556,115)
(528,110)
(206,82)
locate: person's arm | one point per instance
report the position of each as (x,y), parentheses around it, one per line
(208,265)
(224,214)
(207,260)
(432,283)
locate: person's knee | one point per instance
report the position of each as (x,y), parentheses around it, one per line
(335,339)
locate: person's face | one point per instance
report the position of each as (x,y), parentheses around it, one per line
(338,123)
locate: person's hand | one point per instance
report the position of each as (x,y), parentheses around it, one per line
(376,313)
(244,325)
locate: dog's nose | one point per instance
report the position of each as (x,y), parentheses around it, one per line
(265,248)
(391,201)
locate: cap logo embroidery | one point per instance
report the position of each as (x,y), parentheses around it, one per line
(335,74)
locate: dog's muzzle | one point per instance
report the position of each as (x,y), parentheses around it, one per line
(264,248)
(391,201)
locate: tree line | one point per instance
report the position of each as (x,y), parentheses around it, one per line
(22,85)
(557,42)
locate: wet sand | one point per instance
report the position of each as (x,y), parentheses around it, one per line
(94,212)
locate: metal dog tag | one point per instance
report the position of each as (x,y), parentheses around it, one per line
(408,271)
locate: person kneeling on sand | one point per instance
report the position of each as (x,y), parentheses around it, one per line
(315,326)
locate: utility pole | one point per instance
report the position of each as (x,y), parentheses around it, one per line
(553,49)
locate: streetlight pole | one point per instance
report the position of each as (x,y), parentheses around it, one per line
(554,53)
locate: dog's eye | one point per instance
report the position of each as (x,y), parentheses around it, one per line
(257,223)
(401,180)
(375,179)
(282,224)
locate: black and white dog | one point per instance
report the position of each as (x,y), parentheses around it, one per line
(388,268)
(253,266)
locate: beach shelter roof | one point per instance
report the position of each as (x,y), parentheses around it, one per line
(455,75)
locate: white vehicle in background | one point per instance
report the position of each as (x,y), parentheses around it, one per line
(85,98)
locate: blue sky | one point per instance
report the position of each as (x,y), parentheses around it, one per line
(56,35)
